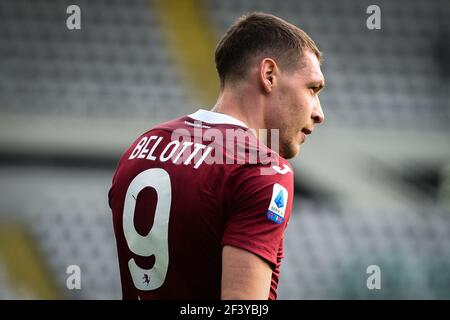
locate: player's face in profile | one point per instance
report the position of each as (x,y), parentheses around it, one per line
(298,107)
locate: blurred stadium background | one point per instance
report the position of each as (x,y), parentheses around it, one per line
(372,184)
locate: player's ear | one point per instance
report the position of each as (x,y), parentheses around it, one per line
(268,72)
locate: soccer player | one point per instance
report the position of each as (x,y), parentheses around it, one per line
(200,203)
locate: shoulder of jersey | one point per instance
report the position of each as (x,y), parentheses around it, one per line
(283,168)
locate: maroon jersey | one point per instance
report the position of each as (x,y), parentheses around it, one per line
(185,189)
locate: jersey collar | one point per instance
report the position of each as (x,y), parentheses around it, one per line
(215,118)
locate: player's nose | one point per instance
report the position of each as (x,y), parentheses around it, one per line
(317,114)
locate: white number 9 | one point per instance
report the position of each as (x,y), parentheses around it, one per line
(155,242)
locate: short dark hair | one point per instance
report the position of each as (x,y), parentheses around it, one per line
(260,33)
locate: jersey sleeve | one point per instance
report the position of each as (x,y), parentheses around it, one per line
(259,210)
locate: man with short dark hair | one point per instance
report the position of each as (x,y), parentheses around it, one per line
(200,203)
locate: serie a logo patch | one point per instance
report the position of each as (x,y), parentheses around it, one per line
(278,204)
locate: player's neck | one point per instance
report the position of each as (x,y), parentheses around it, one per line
(241,107)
